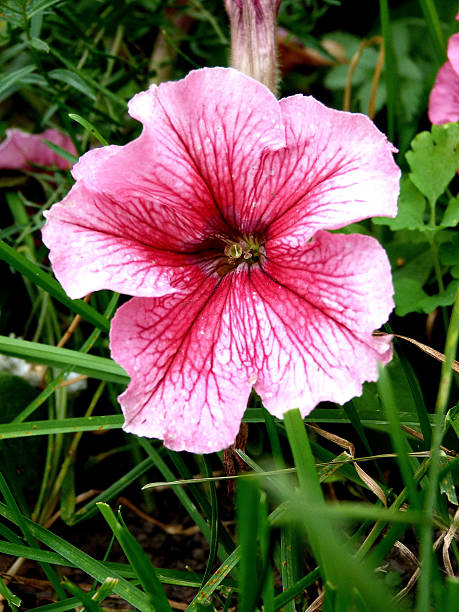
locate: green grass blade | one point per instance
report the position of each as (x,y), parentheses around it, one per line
(418,398)
(425,579)
(20,216)
(247,502)
(280,601)
(435,29)
(13,600)
(60,606)
(139,561)
(89,604)
(14,77)
(89,126)
(214,522)
(90,365)
(34,554)
(225,540)
(391,71)
(79,559)
(111,492)
(182,495)
(72,159)
(59,426)
(368,418)
(21,521)
(53,385)
(51,286)
(399,442)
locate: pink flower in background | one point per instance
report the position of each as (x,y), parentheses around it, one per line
(214,219)
(444,97)
(20,149)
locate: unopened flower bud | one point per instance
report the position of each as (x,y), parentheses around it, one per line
(253,38)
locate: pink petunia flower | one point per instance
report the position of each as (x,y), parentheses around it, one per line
(214,219)
(20,149)
(444,97)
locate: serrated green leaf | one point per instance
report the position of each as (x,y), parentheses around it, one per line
(434,160)
(410,296)
(73,80)
(414,264)
(411,207)
(451,216)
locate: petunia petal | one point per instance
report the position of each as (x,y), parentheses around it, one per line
(444,97)
(137,210)
(320,305)
(134,246)
(20,149)
(337,168)
(188,383)
(209,131)
(453,52)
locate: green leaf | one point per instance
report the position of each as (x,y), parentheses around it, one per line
(60,606)
(72,159)
(447,482)
(91,365)
(449,254)
(51,286)
(410,296)
(54,426)
(38,7)
(86,563)
(89,126)
(451,216)
(89,604)
(453,418)
(12,599)
(138,559)
(247,502)
(39,44)
(411,206)
(73,80)
(434,160)
(14,78)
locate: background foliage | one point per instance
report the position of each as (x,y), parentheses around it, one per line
(76,531)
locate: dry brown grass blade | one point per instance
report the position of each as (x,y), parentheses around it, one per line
(450,535)
(350,448)
(374,40)
(426,349)
(419,436)
(316,604)
(406,552)
(412,581)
